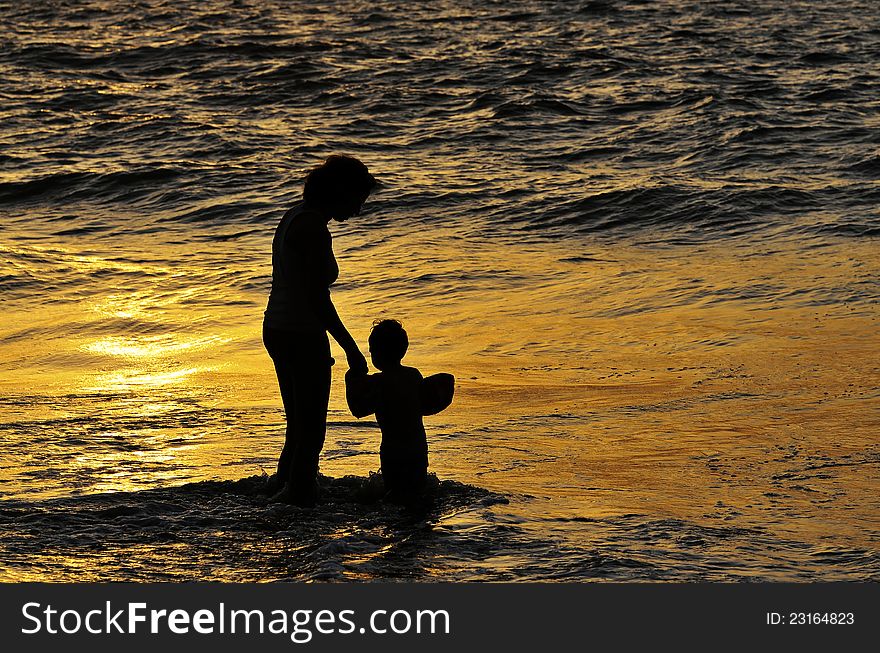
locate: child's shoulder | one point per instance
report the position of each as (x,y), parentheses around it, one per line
(398,375)
(411,372)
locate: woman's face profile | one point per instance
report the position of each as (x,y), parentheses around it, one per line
(349,206)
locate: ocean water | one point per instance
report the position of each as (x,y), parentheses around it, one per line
(642,235)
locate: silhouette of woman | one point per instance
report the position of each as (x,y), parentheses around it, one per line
(300,314)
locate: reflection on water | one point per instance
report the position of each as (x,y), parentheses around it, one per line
(128,379)
(717,402)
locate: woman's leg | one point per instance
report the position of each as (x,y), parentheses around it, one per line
(312,391)
(278,344)
(288,398)
(302,365)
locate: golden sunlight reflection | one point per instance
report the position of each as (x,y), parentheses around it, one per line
(126,380)
(114,471)
(612,378)
(149,347)
(123,307)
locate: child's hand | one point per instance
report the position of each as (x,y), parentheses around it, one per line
(356,362)
(360,393)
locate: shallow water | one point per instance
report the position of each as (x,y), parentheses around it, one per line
(643,236)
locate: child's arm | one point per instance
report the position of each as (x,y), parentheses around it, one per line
(436,393)
(360,393)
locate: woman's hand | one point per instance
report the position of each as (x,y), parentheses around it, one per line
(356,361)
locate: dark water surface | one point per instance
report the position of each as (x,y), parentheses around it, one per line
(642,235)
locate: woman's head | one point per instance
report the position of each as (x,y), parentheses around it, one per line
(339,186)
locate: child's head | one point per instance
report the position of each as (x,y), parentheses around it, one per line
(388,343)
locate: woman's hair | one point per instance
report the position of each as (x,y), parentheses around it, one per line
(389,339)
(338,176)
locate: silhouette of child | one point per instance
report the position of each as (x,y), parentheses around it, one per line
(399,397)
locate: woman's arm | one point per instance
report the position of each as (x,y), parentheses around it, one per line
(326,311)
(318,252)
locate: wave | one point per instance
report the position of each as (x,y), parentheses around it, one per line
(826,58)
(869,167)
(229,106)
(148,58)
(168,533)
(88,185)
(702,214)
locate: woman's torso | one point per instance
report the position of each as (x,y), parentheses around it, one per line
(302,266)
